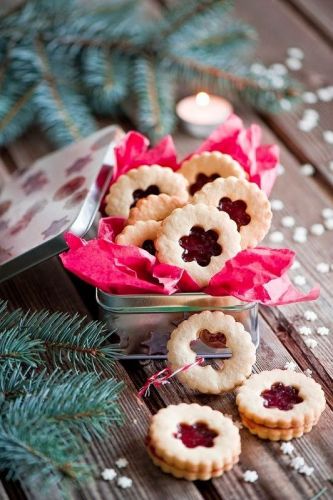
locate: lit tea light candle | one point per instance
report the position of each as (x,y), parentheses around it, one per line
(200,114)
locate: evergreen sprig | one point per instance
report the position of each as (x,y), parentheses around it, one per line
(61,60)
(53,398)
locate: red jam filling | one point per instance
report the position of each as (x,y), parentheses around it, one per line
(200,181)
(215,340)
(143,193)
(281,396)
(198,434)
(236,211)
(200,245)
(149,246)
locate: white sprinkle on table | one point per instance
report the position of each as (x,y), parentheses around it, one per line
(299,280)
(309,97)
(279,69)
(305,330)
(277,205)
(276,237)
(323,330)
(280,168)
(108,474)
(290,365)
(327,213)
(293,63)
(328,223)
(308,372)
(121,463)
(295,265)
(310,315)
(306,470)
(124,482)
(325,94)
(297,462)
(300,234)
(330,166)
(307,169)
(322,267)
(250,476)
(295,52)
(328,136)
(317,229)
(287,448)
(288,221)
(311,343)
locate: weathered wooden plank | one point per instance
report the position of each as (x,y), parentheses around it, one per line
(318,14)
(279,28)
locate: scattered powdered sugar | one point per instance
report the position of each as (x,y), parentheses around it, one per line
(288,221)
(287,448)
(323,330)
(290,365)
(124,482)
(305,330)
(121,463)
(299,280)
(250,476)
(277,205)
(311,343)
(323,267)
(310,315)
(317,229)
(108,474)
(307,169)
(276,237)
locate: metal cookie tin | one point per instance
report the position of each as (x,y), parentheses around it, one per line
(143,323)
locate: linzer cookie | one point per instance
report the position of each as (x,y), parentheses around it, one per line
(216,330)
(280,404)
(244,202)
(193,442)
(141,182)
(199,239)
(203,168)
(154,208)
(141,234)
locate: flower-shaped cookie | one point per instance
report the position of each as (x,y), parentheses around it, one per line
(244,202)
(154,208)
(193,442)
(141,234)
(213,328)
(280,404)
(141,182)
(199,239)
(205,167)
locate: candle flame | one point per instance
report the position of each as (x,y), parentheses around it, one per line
(202,99)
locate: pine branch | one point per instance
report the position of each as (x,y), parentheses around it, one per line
(155,98)
(16,347)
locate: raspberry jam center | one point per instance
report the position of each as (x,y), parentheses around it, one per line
(216,340)
(200,181)
(281,396)
(236,211)
(200,245)
(149,246)
(198,434)
(143,193)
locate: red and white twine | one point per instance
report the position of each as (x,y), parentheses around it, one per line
(162,377)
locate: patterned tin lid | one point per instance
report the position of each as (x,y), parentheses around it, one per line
(60,192)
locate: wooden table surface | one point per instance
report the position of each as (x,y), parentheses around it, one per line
(307,24)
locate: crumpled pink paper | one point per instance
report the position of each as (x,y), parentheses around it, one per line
(257,275)
(133,151)
(259,161)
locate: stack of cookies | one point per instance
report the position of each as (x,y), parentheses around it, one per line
(197,218)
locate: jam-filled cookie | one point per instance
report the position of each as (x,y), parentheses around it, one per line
(199,239)
(214,329)
(280,404)
(244,202)
(193,442)
(141,182)
(154,208)
(141,234)
(205,167)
